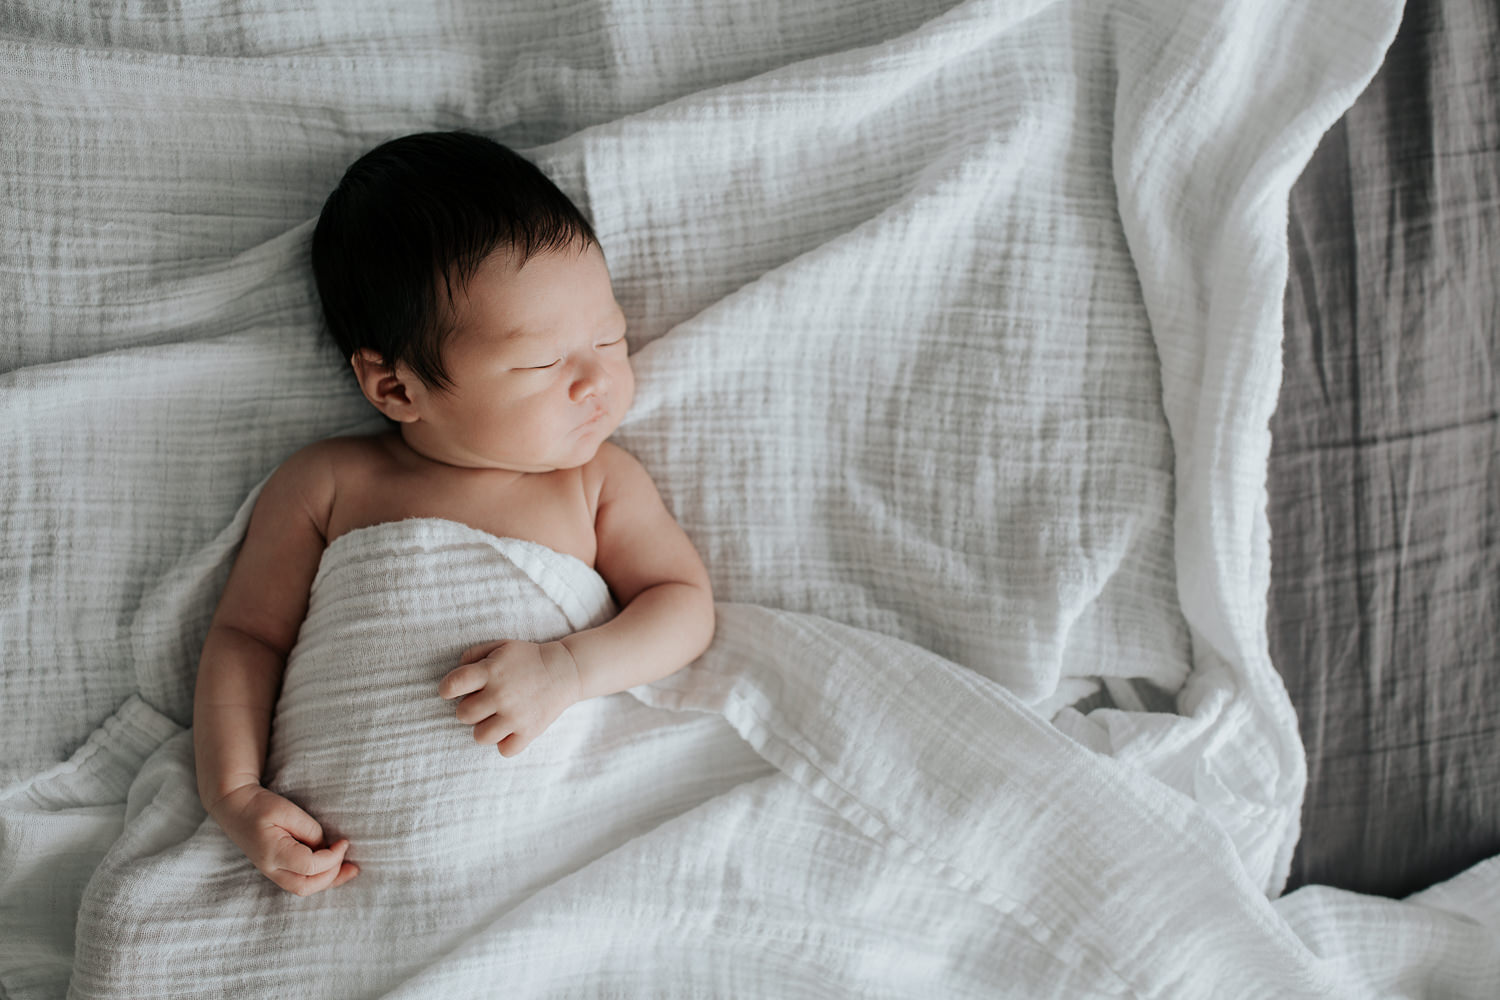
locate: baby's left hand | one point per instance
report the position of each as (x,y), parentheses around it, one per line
(514,689)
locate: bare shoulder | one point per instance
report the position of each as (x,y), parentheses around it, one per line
(324,468)
(640,542)
(614,462)
(309,477)
(267,591)
(345,454)
(610,470)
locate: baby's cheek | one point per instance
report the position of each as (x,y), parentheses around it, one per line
(627,382)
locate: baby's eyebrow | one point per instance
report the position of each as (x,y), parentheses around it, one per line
(610,317)
(519,334)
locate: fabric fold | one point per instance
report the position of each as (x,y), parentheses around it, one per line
(55,827)
(362,741)
(801,777)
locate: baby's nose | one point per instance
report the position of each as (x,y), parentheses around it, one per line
(591,378)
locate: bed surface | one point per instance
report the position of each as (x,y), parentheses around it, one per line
(1384,476)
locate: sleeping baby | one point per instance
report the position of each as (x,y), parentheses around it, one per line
(474,304)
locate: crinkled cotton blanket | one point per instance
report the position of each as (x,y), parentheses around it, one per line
(822,812)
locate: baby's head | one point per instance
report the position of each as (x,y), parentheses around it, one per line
(448,266)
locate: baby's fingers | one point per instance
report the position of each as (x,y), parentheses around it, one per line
(292,856)
(303,871)
(347,870)
(304,885)
(285,815)
(461,681)
(476,653)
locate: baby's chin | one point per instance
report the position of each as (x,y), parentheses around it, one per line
(572,451)
(579,454)
(586,454)
(592,436)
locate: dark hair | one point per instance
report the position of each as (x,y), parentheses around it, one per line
(422,211)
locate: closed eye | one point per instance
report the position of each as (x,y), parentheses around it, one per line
(541,368)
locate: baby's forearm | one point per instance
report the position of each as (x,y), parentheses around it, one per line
(661,630)
(238,678)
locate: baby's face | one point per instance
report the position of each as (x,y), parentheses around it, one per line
(539,365)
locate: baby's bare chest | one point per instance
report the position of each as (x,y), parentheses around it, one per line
(553,509)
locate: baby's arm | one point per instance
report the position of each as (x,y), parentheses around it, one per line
(515,690)
(239,674)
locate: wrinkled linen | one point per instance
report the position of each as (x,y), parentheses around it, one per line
(920,831)
(956,329)
(450,836)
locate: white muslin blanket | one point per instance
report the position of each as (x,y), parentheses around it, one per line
(920,834)
(824,814)
(451,837)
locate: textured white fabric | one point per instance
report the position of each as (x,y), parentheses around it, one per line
(921,832)
(450,836)
(956,328)
(1441,942)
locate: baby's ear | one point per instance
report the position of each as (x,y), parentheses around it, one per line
(387,388)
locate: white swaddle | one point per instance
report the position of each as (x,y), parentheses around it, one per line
(448,833)
(807,809)
(391,609)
